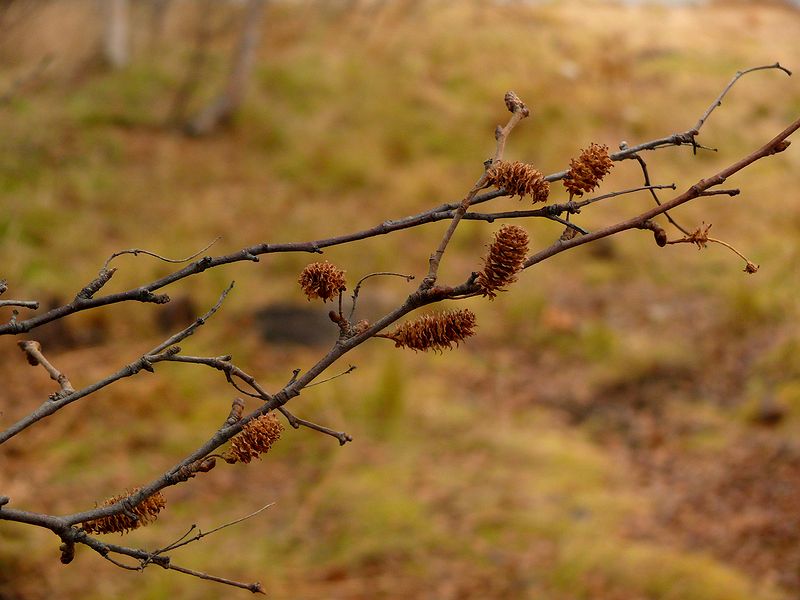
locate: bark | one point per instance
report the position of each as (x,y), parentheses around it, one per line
(222,108)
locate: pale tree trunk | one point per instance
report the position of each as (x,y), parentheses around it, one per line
(158,17)
(222,107)
(116,32)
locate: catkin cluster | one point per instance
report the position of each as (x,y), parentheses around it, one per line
(505,258)
(322,280)
(435,332)
(587,171)
(255,439)
(519,179)
(146,512)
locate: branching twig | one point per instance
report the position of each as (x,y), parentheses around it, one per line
(66,527)
(145,292)
(297,422)
(201,534)
(777,144)
(143,362)
(518,111)
(357,288)
(739,74)
(35,357)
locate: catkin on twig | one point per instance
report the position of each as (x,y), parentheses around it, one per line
(519,179)
(505,258)
(255,439)
(146,512)
(587,171)
(322,280)
(435,332)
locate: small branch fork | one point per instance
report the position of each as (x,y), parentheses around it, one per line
(67,527)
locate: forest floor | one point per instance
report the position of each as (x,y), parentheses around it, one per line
(622,427)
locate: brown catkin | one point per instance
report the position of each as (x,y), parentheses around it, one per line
(506,255)
(146,512)
(322,280)
(519,179)
(255,439)
(587,171)
(435,332)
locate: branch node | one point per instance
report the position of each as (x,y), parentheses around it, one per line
(96,284)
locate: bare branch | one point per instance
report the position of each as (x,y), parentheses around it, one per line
(200,534)
(777,144)
(144,362)
(32,304)
(35,357)
(347,371)
(518,112)
(138,251)
(297,422)
(739,74)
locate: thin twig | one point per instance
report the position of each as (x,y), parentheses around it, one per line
(297,422)
(32,304)
(142,363)
(254,587)
(138,251)
(347,371)
(200,534)
(357,288)
(646,175)
(777,144)
(518,111)
(200,321)
(739,74)
(35,357)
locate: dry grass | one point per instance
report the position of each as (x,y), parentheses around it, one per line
(531,462)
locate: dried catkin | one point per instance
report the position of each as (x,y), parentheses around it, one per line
(146,512)
(587,171)
(255,439)
(506,255)
(519,179)
(435,332)
(322,280)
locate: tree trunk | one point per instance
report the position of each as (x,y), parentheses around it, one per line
(116,32)
(222,107)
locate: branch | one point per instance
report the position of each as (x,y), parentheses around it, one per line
(35,357)
(138,251)
(739,74)
(32,304)
(518,111)
(778,144)
(145,293)
(297,422)
(200,534)
(143,362)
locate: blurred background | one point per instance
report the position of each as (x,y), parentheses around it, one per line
(624,425)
